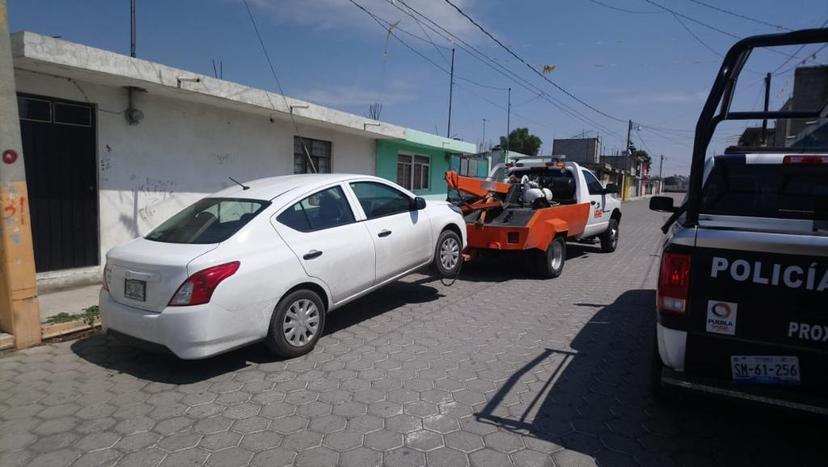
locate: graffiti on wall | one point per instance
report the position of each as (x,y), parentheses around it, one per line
(152,192)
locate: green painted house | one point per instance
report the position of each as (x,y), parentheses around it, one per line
(419,161)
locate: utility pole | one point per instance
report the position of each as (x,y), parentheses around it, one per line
(628,154)
(19,310)
(660,180)
(451,91)
(767,103)
(483,144)
(508,117)
(132,28)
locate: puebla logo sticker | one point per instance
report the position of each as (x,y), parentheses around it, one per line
(721,317)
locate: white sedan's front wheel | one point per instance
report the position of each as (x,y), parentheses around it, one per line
(297,324)
(448,254)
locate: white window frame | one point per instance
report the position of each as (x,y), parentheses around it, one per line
(425,183)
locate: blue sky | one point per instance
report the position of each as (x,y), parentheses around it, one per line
(638,64)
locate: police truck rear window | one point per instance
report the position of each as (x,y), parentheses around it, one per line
(766,190)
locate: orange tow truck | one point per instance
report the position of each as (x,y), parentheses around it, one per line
(536,205)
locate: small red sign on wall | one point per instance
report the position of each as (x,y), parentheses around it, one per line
(9,156)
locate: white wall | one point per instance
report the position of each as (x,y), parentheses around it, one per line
(181,151)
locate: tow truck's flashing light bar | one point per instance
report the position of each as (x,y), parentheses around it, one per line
(554,161)
(805,160)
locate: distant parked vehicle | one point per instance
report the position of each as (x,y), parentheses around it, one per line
(268,260)
(675,185)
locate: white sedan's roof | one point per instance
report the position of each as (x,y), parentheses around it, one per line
(269,188)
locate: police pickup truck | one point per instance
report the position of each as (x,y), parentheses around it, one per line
(742,299)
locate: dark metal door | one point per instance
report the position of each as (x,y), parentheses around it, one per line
(61,173)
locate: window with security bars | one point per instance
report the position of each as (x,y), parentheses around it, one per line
(469,167)
(318,151)
(413,171)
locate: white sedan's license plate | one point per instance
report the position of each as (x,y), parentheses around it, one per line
(765,369)
(135,289)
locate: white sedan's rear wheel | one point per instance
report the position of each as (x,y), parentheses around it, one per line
(297,324)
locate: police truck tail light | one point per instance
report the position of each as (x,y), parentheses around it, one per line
(673,283)
(198,288)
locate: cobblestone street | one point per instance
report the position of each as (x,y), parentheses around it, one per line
(499,369)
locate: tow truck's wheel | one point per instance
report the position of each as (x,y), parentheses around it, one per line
(551,262)
(448,255)
(296,325)
(609,239)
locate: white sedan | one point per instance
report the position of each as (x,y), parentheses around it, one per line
(268,260)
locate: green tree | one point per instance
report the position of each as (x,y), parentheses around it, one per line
(520,140)
(643,155)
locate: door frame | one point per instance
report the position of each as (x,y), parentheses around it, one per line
(93,107)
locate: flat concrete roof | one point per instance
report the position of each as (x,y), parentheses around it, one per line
(46,55)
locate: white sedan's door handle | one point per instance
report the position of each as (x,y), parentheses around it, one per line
(312,254)
(384,233)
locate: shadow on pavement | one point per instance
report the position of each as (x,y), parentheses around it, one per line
(502,266)
(596,400)
(155,363)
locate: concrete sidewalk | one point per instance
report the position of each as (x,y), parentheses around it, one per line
(72,301)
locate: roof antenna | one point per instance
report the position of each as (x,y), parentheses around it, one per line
(244,187)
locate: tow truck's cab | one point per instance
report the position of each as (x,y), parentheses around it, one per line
(743,282)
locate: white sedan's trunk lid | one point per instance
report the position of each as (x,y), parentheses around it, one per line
(145,274)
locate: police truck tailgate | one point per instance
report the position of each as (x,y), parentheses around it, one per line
(758,304)
(757,311)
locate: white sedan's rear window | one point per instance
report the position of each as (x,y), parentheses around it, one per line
(210,220)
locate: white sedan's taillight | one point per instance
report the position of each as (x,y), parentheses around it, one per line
(673,283)
(198,288)
(106,273)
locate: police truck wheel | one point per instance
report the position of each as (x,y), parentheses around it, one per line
(448,255)
(297,324)
(551,262)
(609,239)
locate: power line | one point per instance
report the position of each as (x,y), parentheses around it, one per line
(804,60)
(623,10)
(644,143)
(700,23)
(528,101)
(535,70)
(796,53)
(503,108)
(499,68)
(708,26)
(279,85)
(737,15)
(385,24)
(694,36)
(382,22)
(431,41)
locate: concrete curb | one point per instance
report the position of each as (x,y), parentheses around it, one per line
(51,331)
